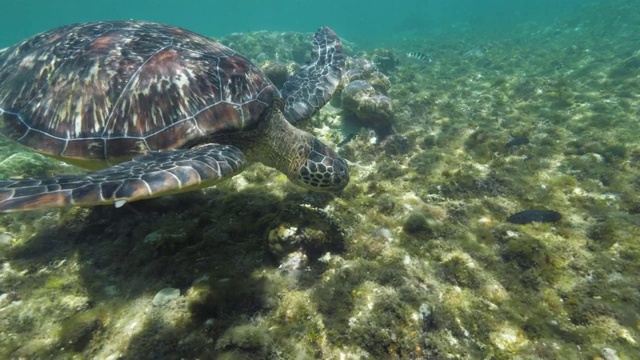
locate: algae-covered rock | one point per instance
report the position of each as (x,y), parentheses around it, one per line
(415,223)
(27,164)
(371,108)
(277,71)
(245,342)
(460,271)
(385,60)
(307,229)
(78,331)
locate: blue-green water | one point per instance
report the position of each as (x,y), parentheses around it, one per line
(362,20)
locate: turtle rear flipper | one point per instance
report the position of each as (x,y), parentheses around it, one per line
(306,91)
(151,175)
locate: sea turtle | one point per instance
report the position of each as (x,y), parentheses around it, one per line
(159,110)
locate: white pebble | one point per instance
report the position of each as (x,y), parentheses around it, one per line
(5,239)
(609,354)
(165,295)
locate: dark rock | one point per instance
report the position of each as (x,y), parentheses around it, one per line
(277,72)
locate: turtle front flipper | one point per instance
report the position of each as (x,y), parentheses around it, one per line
(151,175)
(313,84)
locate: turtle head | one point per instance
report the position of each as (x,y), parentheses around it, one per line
(305,160)
(321,169)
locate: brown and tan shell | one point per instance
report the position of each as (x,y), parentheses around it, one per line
(105,92)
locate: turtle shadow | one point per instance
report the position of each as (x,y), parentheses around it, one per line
(207,246)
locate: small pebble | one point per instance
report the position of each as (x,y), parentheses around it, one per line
(383,233)
(5,239)
(165,295)
(609,354)
(293,264)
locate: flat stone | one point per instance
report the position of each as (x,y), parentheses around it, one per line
(165,295)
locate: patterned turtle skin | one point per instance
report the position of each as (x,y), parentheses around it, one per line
(156,109)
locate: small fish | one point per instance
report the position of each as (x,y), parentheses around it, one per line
(419,56)
(529,216)
(517,141)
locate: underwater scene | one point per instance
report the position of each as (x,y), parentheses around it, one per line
(490,152)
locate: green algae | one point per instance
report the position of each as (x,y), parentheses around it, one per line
(55,282)
(458,271)
(416,222)
(249,339)
(78,330)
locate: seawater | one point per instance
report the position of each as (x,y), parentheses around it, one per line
(364,21)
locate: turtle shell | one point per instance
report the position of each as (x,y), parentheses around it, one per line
(112,90)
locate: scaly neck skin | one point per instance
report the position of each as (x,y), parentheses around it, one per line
(305,160)
(281,146)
